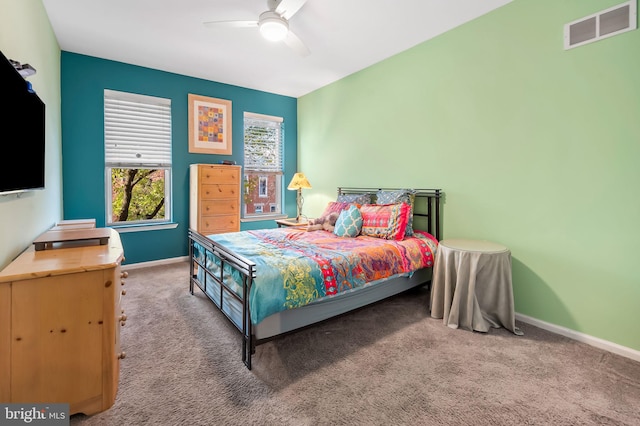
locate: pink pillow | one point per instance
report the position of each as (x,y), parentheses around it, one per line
(335,207)
(388,221)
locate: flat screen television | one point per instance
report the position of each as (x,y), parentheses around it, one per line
(22,133)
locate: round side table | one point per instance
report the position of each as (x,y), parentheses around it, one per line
(471,286)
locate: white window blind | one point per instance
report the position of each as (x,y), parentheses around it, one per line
(137,130)
(263,143)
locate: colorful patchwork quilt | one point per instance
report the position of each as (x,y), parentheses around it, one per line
(295,267)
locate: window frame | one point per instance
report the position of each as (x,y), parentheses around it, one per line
(159,150)
(250,119)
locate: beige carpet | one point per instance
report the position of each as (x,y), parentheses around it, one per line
(387,364)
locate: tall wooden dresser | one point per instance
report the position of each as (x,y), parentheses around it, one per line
(60,319)
(214,204)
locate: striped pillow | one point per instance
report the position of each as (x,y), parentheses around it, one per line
(399,196)
(388,221)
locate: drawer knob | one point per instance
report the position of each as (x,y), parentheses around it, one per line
(124,292)
(123,317)
(122,355)
(124,274)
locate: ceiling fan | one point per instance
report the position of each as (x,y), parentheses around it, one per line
(273,24)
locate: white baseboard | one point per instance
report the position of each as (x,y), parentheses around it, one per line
(581,337)
(155,263)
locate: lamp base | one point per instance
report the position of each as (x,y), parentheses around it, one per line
(300,202)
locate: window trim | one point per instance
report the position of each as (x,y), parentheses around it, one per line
(279,172)
(160,149)
(149,222)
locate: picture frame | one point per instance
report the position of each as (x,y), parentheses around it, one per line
(209,125)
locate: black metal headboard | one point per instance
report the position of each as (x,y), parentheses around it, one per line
(426,207)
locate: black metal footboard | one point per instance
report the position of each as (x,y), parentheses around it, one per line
(202,277)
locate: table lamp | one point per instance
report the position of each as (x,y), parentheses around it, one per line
(298,182)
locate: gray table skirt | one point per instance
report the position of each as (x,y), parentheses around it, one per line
(472,287)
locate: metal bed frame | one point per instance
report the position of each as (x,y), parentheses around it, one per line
(247,268)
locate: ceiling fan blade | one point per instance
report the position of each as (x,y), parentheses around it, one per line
(294,42)
(288,8)
(231,24)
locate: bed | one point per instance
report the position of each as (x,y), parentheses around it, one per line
(273,281)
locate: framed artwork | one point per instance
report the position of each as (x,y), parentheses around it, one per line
(209,125)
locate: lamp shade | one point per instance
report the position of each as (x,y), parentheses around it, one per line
(299,181)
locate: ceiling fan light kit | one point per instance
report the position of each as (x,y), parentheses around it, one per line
(272,26)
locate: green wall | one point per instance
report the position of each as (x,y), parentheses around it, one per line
(26,36)
(535,147)
(83,80)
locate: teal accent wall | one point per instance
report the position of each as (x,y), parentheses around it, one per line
(83,80)
(535,147)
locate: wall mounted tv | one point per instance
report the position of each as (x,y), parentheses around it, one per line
(22,132)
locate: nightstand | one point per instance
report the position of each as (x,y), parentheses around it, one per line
(290,222)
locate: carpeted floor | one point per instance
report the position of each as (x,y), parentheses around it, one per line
(387,364)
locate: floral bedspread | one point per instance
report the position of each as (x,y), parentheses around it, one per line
(295,267)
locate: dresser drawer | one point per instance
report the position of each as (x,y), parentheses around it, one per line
(223,223)
(210,174)
(213,207)
(217,191)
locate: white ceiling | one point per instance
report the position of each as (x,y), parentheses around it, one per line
(344,36)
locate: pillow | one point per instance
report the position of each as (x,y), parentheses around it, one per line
(349,222)
(399,196)
(335,207)
(355,198)
(388,221)
(328,217)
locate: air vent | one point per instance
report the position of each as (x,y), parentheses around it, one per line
(606,23)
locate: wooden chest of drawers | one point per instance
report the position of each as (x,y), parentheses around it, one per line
(60,319)
(214,199)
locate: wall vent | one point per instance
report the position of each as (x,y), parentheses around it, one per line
(606,23)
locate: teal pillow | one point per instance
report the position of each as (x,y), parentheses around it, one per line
(349,222)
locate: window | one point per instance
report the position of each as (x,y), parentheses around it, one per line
(263,165)
(137,139)
(262,188)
